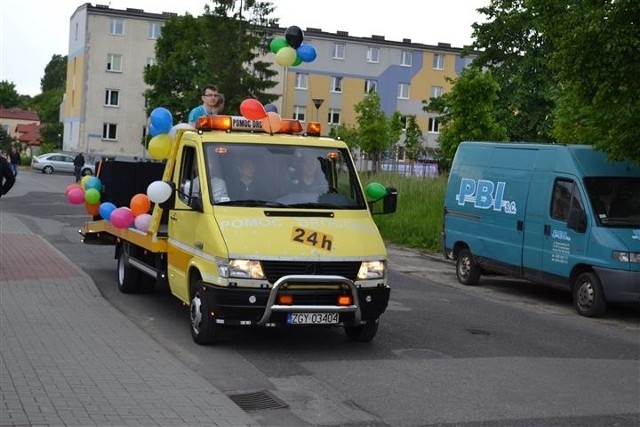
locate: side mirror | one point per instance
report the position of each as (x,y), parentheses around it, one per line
(388,195)
(577,220)
(390,201)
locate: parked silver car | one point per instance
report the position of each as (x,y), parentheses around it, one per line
(58,162)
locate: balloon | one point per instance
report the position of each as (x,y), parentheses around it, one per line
(294,36)
(159,191)
(161,119)
(75,196)
(270,107)
(106,209)
(93,182)
(252,109)
(174,130)
(71,186)
(153,131)
(83,181)
(92,209)
(277,43)
(92,196)
(307,53)
(376,190)
(140,204)
(286,56)
(122,218)
(160,146)
(297,61)
(272,122)
(141,222)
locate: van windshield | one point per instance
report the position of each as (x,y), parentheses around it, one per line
(615,200)
(282,176)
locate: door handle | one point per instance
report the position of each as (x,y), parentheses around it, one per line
(547,230)
(520,225)
(173,217)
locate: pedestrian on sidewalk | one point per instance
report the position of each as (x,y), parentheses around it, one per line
(14,158)
(7,178)
(78,163)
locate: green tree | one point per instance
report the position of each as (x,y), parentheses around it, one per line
(512,44)
(376,133)
(413,138)
(466,113)
(598,67)
(9,97)
(55,74)
(221,47)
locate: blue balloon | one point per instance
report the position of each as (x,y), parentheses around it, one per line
(270,107)
(153,131)
(161,120)
(307,52)
(106,209)
(93,182)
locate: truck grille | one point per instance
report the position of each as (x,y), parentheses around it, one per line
(276,269)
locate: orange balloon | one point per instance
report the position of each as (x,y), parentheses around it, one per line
(93,210)
(272,122)
(140,204)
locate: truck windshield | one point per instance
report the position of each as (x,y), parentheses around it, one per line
(282,176)
(615,200)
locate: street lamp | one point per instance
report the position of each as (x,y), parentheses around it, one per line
(60,139)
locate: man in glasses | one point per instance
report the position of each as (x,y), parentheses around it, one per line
(209,105)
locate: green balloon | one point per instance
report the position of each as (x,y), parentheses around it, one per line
(277,43)
(376,191)
(92,196)
(297,62)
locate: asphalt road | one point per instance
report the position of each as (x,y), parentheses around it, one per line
(506,353)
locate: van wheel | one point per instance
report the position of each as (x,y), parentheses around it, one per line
(467,271)
(128,277)
(588,297)
(362,333)
(204,330)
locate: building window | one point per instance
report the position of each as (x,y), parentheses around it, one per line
(301,81)
(436,91)
(336,84)
(373,54)
(110,131)
(154,30)
(334,116)
(370,86)
(403,120)
(406,58)
(338,50)
(403,90)
(434,126)
(116,27)
(438,61)
(111,98)
(299,112)
(114,62)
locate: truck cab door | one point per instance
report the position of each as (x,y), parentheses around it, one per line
(183,219)
(565,230)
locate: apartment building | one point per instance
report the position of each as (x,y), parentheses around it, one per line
(104,107)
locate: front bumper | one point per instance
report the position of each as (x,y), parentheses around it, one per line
(619,285)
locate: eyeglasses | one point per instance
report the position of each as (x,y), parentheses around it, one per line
(210,95)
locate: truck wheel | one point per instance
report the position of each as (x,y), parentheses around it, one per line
(203,326)
(467,270)
(588,297)
(362,333)
(128,277)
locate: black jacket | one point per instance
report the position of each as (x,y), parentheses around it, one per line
(6,176)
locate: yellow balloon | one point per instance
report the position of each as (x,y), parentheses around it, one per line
(83,181)
(286,56)
(160,146)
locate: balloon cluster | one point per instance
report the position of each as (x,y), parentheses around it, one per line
(163,133)
(253,109)
(136,214)
(291,50)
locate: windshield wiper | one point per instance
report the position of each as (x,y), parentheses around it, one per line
(254,203)
(316,205)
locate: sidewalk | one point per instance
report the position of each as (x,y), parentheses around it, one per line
(68,358)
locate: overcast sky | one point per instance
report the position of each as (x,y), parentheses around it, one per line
(32,31)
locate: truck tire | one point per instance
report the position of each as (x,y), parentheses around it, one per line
(588,297)
(362,333)
(128,277)
(204,330)
(467,271)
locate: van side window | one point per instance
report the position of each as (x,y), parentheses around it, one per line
(566,196)
(189,185)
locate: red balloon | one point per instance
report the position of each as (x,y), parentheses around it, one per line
(252,109)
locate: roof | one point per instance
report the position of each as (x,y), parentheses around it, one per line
(18,114)
(28,134)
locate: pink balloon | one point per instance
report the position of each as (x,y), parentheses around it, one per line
(122,218)
(75,196)
(142,222)
(272,122)
(252,109)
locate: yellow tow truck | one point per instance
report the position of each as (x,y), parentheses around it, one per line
(285,255)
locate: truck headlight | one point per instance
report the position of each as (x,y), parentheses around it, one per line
(371,270)
(245,269)
(626,256)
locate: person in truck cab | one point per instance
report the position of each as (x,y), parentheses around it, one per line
(246,186)
(309,177)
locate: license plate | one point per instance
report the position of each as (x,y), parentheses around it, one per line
(312,318)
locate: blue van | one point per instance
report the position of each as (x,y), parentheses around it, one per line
(554,214)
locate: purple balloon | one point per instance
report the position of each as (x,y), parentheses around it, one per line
(270,107)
